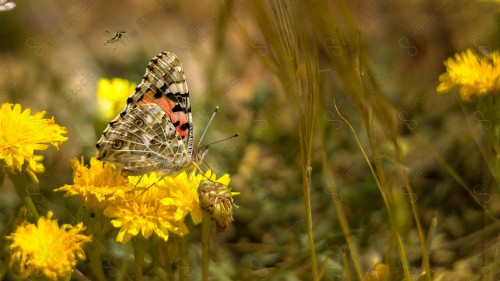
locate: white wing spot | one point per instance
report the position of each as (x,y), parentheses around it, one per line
(160,83)
(148,118)
(146,139)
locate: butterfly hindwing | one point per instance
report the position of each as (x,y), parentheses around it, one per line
(143,141)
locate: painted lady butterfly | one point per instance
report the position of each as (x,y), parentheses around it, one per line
(154,132)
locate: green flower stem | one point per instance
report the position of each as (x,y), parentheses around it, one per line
(206,227)
(489,115)
(97,226)
(22,185)
(94,254)
(185,270)
(140,247)
(161,252)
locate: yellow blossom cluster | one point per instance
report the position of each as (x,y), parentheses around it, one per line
(47,248)
(139,204)
(111,96)
(23,133)
(473,74)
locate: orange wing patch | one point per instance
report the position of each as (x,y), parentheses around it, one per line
(179,119)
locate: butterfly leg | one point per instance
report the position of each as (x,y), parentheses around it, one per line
(145,189)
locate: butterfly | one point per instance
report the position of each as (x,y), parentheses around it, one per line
(154,131)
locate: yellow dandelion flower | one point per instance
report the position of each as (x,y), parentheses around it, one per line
(158,205)
(111,96)
(141,212)
(209,175)
(184,193)
(21,133)
(96,185)
(472,73)
(47,248)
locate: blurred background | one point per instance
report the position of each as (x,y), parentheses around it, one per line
(53,54)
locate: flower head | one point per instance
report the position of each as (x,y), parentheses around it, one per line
(217,200)
(21,133)
(111,96)
(47,248)
(183,191)
(96,185)
(472,73)
(157,205)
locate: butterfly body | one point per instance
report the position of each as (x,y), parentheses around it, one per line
(154,132)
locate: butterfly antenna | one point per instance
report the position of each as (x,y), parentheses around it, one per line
(228,138)
(200,170)
(208,125)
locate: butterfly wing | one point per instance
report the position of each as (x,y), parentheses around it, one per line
(154,131)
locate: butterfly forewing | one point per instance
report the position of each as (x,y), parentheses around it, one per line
(154,131)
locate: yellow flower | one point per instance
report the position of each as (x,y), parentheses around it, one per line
(111,96)
(472,73)
(184,193)
(47,248)
(157,205)
(98,185)
(21,134)
(142,212)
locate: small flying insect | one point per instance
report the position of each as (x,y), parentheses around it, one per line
(116,38)
(5,5)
